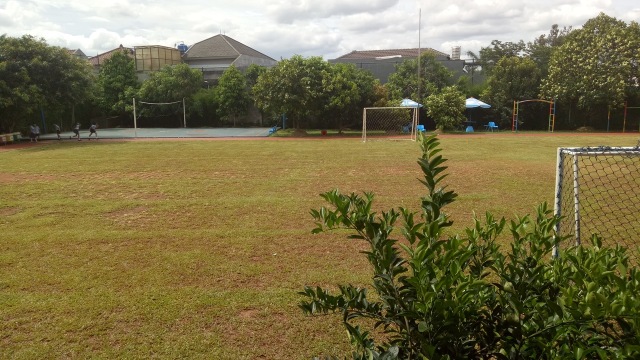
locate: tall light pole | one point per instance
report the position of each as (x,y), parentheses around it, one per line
(419,100)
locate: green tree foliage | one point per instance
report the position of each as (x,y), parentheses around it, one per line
(596,66)
(118,83)
(253,72)
(489,56)
(447,108)
(347,90)
(35,76)
(293,87)
(403,83)
(512,78)
(462,297)
(540,49)
(232,94)
(204,109)
(170,84)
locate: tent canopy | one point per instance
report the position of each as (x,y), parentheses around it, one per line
(410,103)
(471,103)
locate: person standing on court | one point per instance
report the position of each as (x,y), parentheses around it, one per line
(32,133)
(76,131)
(92,130)
(37,132)
(57,130)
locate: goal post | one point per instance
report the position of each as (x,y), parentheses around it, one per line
(389,123)
(136,115)
(598,192)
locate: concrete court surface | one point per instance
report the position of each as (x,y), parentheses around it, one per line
(130,133)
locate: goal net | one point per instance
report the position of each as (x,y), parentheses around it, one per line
(395,123)
(152,114)
(598,192)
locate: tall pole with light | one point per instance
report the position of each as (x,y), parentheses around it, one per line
(419,46)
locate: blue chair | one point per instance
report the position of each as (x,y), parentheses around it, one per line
(491,126)
(420,128)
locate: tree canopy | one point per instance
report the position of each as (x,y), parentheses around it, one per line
(596,65)
(404,83)
(118,83)
(232,94)
(36,76)
(512,78)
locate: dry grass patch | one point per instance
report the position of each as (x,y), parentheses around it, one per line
(197,249)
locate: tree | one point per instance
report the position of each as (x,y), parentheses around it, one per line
(348,90)
(293,87)
(170,84)
(403,83)
(252,74)
(440,296)
(489,56)
(447,108)
(542,47)
(204,108)
(596,66)
(35,76)
(118,83)
(232,94)
(512,78)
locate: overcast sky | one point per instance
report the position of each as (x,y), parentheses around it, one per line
(282,28)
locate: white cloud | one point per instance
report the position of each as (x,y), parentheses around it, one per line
(288,11)
(281,28)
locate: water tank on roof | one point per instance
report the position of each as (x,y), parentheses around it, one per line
(182,47)
(455,53)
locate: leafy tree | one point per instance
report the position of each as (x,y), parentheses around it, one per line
(347,90)
(542,47)
(293,87)
(204,108)
(462,297)
(232,94)
(36,76)
(403,83)
(512,78)
(380,95)
(117,82)
(170,84)
(253,72)
(342,91)
(596,66)
(489,56)
(447,108)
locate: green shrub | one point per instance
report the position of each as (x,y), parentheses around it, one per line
(465,298)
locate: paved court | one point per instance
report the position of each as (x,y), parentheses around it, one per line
(129,133)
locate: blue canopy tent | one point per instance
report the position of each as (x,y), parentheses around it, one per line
(473,103)
(409,103)
(416,105)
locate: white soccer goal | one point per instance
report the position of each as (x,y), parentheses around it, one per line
(136,116)
(598,192)
(394,123)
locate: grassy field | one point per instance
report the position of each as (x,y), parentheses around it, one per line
(196,249)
